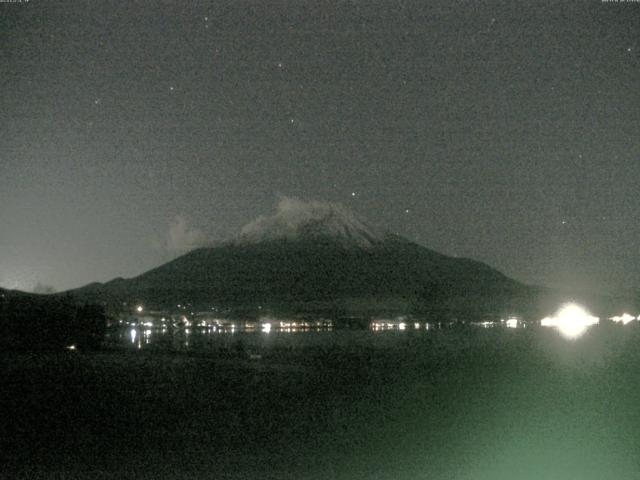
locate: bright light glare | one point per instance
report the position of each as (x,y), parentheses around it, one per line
(571,320)
(512,323)
(139,308)
(133,334)
(624,318)
(266,327)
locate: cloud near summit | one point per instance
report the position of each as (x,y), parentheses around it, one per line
(181,237)
(290,214)
(293,214)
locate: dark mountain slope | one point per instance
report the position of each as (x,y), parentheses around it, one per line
(291,273)
(320,258)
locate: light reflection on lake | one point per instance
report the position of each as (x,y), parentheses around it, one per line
(198,338)
(571,321)
(273,336)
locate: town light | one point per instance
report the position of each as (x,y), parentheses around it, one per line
(571,320)
(624,318)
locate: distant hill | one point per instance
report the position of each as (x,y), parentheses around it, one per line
(31,322)
(319,258)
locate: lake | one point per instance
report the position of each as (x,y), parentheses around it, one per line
(451,403)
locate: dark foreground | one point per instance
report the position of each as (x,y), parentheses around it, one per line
(470,404)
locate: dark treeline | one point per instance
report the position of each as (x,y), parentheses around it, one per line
(33,322)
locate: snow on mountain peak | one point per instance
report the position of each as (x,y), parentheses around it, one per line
(299,219)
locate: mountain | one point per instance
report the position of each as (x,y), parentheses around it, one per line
(314,257)
(318,258)
(31,322)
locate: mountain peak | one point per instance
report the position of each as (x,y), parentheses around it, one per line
(297,219)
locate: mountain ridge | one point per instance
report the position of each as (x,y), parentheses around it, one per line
(320,259)
(290,274)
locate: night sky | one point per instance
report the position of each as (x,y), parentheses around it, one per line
(507,131)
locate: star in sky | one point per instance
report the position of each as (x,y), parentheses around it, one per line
(402,104)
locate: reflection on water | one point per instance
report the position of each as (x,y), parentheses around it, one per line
(398,323)
(180,333)
(272,333)
(188,335)
(133,334)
